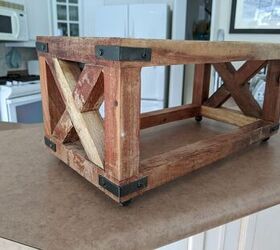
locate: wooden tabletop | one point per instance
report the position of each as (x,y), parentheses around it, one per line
(45,204)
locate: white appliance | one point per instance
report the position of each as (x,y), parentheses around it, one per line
(21,102)
(149,21)
(13,21)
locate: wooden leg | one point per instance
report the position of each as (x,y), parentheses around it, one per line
(122,121)
(201,83)
(271,106)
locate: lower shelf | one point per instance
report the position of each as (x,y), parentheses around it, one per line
(169,151)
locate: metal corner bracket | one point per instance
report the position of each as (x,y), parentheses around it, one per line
(123,190)
(42,47)
(120,53)
(50,144)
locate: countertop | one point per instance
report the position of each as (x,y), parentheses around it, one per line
(45,204)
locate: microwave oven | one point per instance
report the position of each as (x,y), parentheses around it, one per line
(13,22)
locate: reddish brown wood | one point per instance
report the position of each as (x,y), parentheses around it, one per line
(271,106)
(154,118)
(122,126)
(52,103)
(218,98)
(64,130)
(248,70)
(240,93)
(71,100)
(165,52)
(201,83)
(89,91)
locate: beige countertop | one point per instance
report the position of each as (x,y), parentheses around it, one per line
(45,204)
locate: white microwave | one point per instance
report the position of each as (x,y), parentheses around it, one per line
(13,22)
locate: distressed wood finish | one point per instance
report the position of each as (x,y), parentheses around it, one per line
(201,83)
(88,92)
(165,52)
(271,106)
(112,148)
(227,115)
(122,126)
(88,125)
(154,118)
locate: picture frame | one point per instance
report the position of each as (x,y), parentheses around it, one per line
(255,17)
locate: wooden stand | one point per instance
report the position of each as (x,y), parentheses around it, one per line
(106,152)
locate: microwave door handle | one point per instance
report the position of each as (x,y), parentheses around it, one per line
(16,23)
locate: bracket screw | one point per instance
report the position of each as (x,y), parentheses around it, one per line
(144,55)
(100,52)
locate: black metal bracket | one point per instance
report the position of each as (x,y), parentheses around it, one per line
(50,144)
(119,53)
(274,128)
(123,190)
(42,47)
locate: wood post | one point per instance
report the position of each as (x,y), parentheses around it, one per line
(271,106)
(122,121)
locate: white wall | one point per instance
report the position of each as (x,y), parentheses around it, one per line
(221,20)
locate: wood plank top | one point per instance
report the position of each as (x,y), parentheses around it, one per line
(164,52)
(47,205)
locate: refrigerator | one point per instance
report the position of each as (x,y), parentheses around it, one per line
(151,21)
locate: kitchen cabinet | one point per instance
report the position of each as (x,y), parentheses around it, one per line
(127,21)
(66,17)
(39,18)
(255,232)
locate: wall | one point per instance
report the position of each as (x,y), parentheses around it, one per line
(26,54)
(221,20)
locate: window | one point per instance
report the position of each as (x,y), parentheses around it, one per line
(67,18)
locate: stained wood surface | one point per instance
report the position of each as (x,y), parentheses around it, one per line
(122,121)
(164,52)
(236,79)
(228,116)
(271,106)
(166,166)
(52,104)
(64,130)
(201,83)
(154,118)
(239,91)
(88,125)
(89,90)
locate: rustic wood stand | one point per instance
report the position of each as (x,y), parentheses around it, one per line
(106,152)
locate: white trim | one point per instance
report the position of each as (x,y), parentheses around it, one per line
(176,79)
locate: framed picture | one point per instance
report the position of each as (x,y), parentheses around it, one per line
(255,16)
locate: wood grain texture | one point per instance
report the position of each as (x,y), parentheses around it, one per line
(240,77)
(217,99)
(89,90)
(52,103)
(227,115)
(271,106)
(88,125)
(248,70)
(240,92)
(167,166)
(154,118)
(164,52)
(64,130)
(201,83)
(122,121)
